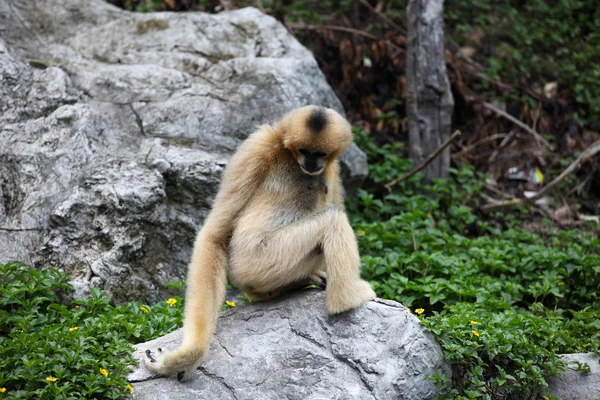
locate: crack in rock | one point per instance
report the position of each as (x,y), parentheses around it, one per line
(223,347)
(138,119)
(219,379)
(359,371)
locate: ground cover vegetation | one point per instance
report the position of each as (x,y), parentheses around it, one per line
(503,292)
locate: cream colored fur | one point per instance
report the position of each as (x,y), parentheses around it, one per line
(276,228)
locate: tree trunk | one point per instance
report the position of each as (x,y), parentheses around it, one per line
(429,101)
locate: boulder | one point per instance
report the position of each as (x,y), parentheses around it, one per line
(115,128)
(577,385)
(291,349)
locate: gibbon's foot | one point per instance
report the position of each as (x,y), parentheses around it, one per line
(359,293)
(156,363)
(318,278)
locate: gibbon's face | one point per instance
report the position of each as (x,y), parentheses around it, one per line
(315,136)
(312,162)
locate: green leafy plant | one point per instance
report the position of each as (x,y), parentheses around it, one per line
(56,349)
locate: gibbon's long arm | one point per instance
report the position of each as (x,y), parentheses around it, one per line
(207,274)
(337,189)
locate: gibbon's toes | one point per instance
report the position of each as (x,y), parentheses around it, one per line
(319,278)
(150,357)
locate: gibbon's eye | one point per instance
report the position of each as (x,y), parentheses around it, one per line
(304,152)
(320,154)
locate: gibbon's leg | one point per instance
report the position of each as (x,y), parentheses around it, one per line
(274,265)
(315,269)
(205,293)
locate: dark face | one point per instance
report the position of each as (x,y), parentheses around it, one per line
(312,162)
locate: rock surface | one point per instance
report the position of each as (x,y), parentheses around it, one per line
(115,127)
(290,349)
(575,385)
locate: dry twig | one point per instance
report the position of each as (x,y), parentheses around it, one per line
(341,29)
(333,28)
(589,152)
(425,162)
(503,143)
(383,17)
(470,147)
(520,124)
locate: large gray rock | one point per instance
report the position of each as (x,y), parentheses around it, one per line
(577,385)
(115,127)
(290,349)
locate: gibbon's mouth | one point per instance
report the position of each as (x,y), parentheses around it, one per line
(314,173)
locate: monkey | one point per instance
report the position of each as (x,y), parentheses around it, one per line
(277,223)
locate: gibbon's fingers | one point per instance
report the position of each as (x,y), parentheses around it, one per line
(319,278)
(163,363)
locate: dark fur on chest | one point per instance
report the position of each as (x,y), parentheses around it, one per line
(309,189)
(300,194)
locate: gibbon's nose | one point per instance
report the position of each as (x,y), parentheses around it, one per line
(312,167)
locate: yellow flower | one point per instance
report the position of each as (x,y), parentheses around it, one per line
(20,330)
(51,379)
(361,232)
(171,301)
(409,310)
(103,372)
(474,322)
(77,307)
(143,309)
(230,303)
(130,388)
(561,283)
(419,311)
(2,390)
(73,329)
(475,333)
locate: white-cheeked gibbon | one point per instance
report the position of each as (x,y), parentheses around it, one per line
(277,223)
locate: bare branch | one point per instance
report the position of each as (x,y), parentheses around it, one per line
(520,124)
(383,17)
(470,148)
(425,162)
(333,28)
